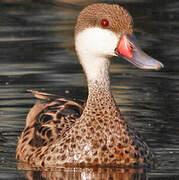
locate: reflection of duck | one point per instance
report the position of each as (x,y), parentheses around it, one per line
(87,173)
(61,132)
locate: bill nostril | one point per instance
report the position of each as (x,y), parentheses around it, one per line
(116,52)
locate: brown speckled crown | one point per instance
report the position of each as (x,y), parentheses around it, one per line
(120,20)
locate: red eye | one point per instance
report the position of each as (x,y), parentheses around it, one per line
(104,22)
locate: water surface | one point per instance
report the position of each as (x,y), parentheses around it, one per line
(37,52)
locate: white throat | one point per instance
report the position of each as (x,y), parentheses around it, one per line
(97,71)
(94,46)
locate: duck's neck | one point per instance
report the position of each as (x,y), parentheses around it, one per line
(100,101)
(98,77)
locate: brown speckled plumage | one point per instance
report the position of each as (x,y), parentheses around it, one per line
(46,122)
(61,132)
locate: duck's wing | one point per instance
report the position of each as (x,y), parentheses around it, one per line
(55,112)
(46,121)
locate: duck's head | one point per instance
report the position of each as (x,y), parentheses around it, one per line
(106,30)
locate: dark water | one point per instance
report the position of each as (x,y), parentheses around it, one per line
(37,52)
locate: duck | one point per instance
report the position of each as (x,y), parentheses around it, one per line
(61,132)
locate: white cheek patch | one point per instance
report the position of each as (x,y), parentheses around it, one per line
(97,41)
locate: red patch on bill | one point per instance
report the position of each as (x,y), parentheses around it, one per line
(124,47)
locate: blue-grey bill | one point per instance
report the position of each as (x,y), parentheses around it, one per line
(140,59)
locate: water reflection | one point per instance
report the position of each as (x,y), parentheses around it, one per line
(87,174)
